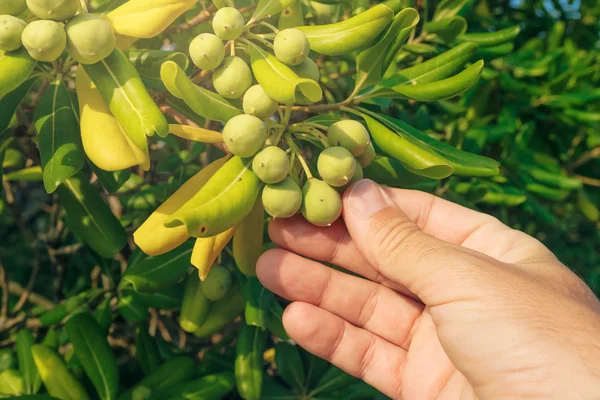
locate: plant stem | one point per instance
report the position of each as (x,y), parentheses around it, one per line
(287,115)
(296,150)
(84,6)
(268,25)
(251,35)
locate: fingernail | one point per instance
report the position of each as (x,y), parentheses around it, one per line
(366,198)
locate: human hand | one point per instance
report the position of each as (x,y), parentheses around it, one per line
(455,304)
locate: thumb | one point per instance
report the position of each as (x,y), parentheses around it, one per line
(395,246)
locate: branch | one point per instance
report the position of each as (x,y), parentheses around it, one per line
(33,298)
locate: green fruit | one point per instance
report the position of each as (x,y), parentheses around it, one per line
(56,10)
(11,29)
(366,158)
(349,134)
(291,46)
(244,135)
(358,172)
(90,38)
(12,7)
(258,103)
(321,204)
(232,78)
(283,199)
(336,166)
(228,23)
(44,40)
(207,51)
(271,164)
(217,283)
(323,12)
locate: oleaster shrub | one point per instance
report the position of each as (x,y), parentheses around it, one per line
(145,145)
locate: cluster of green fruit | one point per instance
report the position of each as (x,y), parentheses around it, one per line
(88,38)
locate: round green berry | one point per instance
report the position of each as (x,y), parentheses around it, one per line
(271,164)
(291,46)
(258,103)
(56,10)
(12,7)
(11,29)
(336,166)
(283,199)
(228,23)
(321,204)
(44,40)
(207,51)
(217,283)
(349,134)
(244,135)
(366,158)
(232,78)
(90,38)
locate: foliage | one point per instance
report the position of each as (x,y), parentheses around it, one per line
(117,177)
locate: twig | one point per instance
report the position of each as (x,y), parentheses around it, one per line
(202,17)
(585,158)
(588,181)
(34,298)
(27,292)
(4,286)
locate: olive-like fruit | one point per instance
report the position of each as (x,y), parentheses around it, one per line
(321,204)
(366,158)
(12,7)
(283,199)
(258,103)
(336,166)
(291,46)
(207,51)
(358,172)
(271,164)
(232,78)
(90,38)
(228,23)
(44,40)
(11,29)
(349,134)
(217,283)
(56,10)
(244,135)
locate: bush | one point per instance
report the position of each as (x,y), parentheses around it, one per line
(120,195)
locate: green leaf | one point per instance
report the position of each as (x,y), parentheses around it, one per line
(203,102)
(103,314)
(131,307)
(195,307)
(32,174)
(27,367)
(289,365)
(387,171)
(444,89)
(333,379)
(10,102)
(273,390)
(111,181)
(266,7)
(258,302)
(279,81)
(222,312)
(449,8)
(175,371)
(249,371)
(210,387)
(94,353)
(167,299)
(248,240)
(553,179)
(274,322)
(58,136)
(152,274)
(8,359)
(146,351)
(447,29)
(90,218)
(292,15)
(15,67)
(121,87)
(315,368)
(149,62)
(11,383)
(491,39)
(226,199)
(587,207)
(496,51)
(58,380)
(374,61)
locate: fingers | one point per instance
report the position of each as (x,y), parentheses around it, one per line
(362,303)
(354,350)
(328,244)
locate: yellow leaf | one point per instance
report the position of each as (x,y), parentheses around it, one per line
(206,251)
(196,134)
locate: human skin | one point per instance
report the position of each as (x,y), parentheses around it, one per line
(453,304)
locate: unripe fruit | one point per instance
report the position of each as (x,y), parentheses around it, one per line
(90,38)
(291,46)
(56,10)
(307,69)
(321,204)
(258,103)
(12,7)
(207,51)
(232,78)
(271,164)
(358,172)
(11,29)
(244,135)
(228,23)
(217,283)
(44,40)
(283,199)
(336,166)
(349,134)
(366,158)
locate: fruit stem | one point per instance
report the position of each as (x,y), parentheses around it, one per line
(268,25)
(232,48)
(287,115)
(251,35)
(296,150)
(298,128)
(84,6)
